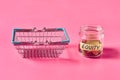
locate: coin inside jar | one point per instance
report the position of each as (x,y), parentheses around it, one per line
(91,47)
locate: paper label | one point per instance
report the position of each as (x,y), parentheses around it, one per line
(90,46)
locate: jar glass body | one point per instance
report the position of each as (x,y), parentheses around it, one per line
(91,40)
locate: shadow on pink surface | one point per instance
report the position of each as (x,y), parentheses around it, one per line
(56,61)
(110,53)
(69,55)
(73,56)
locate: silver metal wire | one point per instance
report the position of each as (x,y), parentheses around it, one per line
(42,51)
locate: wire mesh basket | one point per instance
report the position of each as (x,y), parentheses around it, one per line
(44,43)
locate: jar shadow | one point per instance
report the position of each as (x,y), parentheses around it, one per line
(110,53)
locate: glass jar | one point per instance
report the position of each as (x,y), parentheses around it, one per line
(91,40)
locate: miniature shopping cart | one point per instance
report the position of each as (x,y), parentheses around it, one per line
(44,43)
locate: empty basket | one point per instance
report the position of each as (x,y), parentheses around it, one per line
(45,43)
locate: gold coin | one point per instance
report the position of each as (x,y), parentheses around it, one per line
(93,42)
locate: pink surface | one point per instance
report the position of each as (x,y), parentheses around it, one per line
(70,14)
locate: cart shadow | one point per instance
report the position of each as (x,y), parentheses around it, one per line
(55,61)
(71,53)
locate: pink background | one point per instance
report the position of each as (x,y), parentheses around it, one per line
(70,14)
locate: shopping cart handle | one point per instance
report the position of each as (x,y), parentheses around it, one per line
(66,35)
(67,40)
(13,36)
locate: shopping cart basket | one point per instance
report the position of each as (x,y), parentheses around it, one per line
(44,43)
